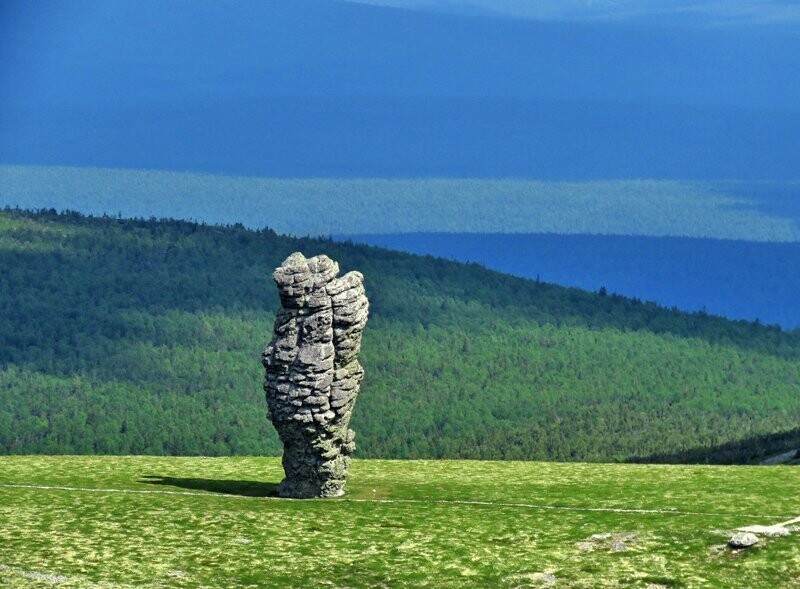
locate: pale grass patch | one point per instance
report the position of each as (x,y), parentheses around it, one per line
(46,578)
(545,579)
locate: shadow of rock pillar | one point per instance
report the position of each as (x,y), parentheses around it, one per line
(312,372)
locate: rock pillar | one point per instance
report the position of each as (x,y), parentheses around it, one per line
(312,372)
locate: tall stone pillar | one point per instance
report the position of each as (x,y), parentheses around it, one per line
(312,372)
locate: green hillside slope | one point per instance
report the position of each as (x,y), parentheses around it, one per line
(197,522)
(132,336)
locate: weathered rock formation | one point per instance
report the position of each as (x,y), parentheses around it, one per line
(313,374)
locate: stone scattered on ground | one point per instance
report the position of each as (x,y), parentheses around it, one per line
(743,540)
(747,536)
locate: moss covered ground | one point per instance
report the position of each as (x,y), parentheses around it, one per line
(214,522)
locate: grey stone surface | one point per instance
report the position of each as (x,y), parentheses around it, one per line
(312,372)
(743,540)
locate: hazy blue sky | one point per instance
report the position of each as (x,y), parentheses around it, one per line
(688,11)
(326,88)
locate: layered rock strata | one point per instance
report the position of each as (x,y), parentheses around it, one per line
(312,372)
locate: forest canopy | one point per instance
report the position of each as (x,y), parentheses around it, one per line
(142,336)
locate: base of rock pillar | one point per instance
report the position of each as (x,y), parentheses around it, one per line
(306,490)
(309,474)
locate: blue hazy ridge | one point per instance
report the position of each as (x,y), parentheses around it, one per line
(736,279)
(410,137)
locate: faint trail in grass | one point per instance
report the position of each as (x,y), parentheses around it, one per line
(564,507)
(409,501)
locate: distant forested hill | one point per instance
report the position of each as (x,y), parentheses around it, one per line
(134,336)
(731,247)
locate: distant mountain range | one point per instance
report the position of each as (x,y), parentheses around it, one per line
(737,279)
(401,137)
(686,13)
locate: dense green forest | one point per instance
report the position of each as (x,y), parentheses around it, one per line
(750,211)
(143,336)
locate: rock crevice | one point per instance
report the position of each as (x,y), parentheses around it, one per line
(313,374)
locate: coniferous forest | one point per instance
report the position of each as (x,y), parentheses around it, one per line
(140,336)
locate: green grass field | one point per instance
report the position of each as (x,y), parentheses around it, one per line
(212,522)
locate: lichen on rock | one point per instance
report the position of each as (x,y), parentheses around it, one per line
(312,372)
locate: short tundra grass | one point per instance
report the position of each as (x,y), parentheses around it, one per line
(214,522)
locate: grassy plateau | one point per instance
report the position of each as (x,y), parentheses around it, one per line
(214,522)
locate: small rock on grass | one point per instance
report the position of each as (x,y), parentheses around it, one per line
(743,540)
